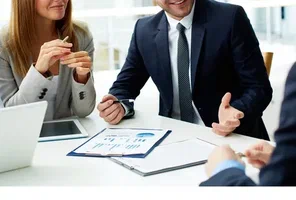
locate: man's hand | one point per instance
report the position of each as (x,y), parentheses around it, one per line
(229,117)
(259,154)
(219,155)
(109,111)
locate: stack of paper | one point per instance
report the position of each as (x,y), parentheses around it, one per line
(169,157)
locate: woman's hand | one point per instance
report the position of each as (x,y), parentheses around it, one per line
(50,53)
(82,63)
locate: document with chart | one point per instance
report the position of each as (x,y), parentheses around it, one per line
(121,142)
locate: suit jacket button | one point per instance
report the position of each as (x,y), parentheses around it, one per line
(82,95)
(41,97)
(45,89)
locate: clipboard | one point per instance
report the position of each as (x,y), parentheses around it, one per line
(170,157)
(135,155)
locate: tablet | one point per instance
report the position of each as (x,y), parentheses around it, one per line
(62,130)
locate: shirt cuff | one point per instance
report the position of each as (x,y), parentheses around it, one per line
(228,164)
(126,109)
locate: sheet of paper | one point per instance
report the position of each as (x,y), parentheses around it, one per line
(171,155)
(122,142)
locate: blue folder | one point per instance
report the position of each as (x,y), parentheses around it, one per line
(73,153)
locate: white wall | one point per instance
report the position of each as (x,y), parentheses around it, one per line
(290,21)
(123,26)
(4,12)
(286,27)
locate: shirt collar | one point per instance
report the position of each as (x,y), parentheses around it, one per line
(186,21)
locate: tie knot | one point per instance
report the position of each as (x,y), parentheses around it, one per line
(180,28)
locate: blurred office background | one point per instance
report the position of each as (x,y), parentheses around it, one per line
(111,23)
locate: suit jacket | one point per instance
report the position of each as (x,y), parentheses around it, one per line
(281,168)
(225,57)
(72,98)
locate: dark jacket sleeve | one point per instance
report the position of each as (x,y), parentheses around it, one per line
(249,65)
(281,168)
(229,177)
(133,75)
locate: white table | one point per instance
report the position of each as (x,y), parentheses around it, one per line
(51,166)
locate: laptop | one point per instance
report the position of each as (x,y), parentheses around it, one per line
(20,128)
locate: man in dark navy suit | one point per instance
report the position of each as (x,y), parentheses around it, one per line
(197,54)
(278,165)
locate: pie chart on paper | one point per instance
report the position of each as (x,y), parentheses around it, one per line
(145,135)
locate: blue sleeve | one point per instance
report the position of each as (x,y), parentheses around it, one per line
(228,164)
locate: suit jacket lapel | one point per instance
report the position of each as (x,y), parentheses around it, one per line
(196,46)
(162,44)
(198,32)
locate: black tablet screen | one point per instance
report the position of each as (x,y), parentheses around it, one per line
(59,128)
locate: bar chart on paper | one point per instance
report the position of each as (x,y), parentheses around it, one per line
(114,143)
(122,142)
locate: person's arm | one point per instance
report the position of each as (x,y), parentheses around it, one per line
(280,169)
(225,168)
(248,61)
(132,77)
(33,88)
(228,164)
(229,177)
(84,94)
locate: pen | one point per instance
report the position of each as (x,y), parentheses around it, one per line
(123,101)
(65,39)
(241,155)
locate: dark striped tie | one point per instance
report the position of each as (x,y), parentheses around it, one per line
(185,96)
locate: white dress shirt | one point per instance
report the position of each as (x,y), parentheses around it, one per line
(173,49)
